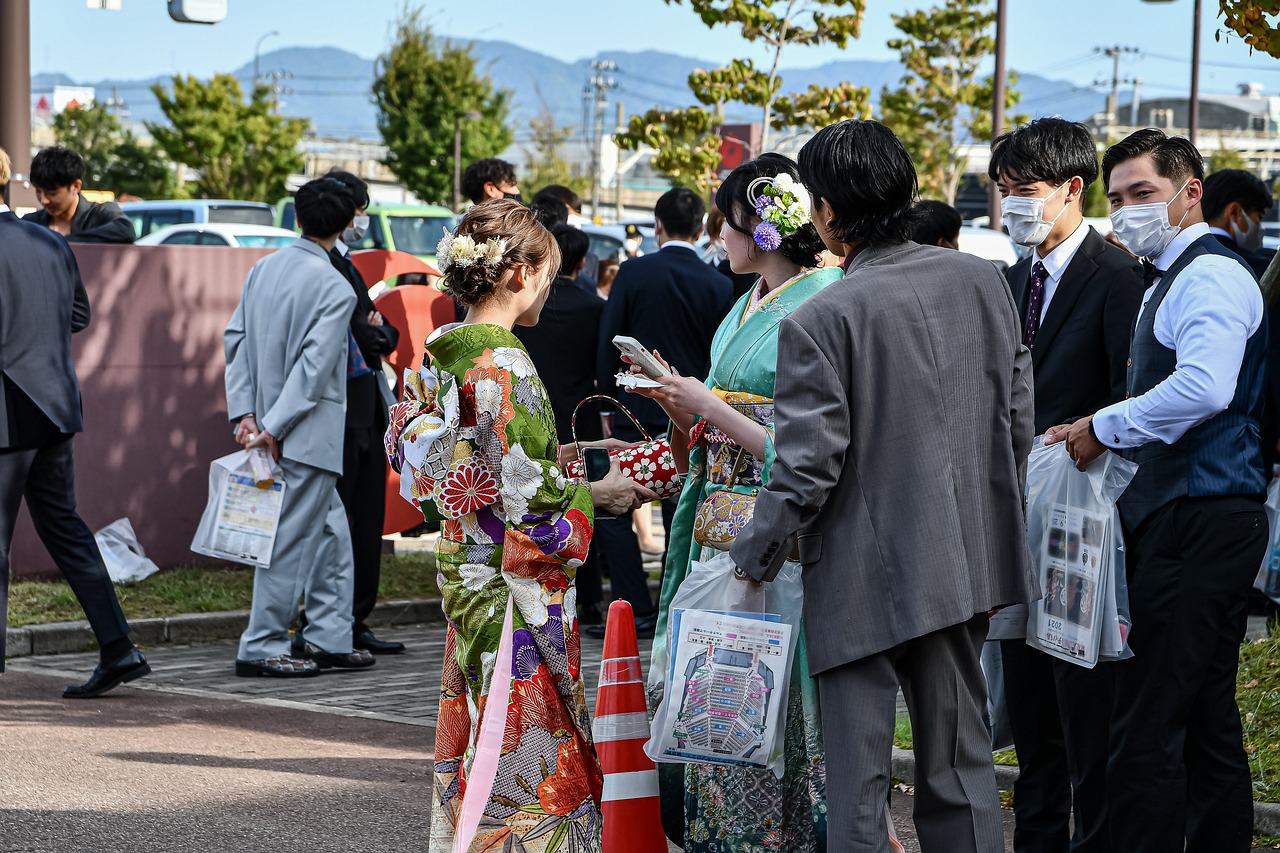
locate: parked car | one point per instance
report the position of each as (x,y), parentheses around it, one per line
(412,228)
(995,246)
(148,216)
(220,234)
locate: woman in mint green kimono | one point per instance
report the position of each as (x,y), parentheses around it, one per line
(730,418)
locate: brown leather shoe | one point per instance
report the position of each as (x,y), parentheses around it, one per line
(355,659)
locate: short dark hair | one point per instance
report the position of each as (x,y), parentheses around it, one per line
(573,243)
(55,167)
(1228,185)
(324,207)
(549,208)
(1052,150)
(1174,157)
(861,169)
(356,186)
(566,195)
(490,170)
(932,221)
(680,211)
(732,200)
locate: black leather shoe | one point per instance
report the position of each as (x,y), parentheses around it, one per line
(356,659)
(365,640)
(104,678)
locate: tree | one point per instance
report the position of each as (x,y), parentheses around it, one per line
(421,84)
(1225,158)
(1256,21)
(941,102)
(114,159)
(688,148)
(242,150)
(546,163)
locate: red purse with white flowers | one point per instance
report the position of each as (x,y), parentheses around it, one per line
(649,463)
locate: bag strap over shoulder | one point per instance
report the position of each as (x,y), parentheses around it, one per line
(573,422)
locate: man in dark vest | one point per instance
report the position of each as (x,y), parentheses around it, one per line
(1194,525)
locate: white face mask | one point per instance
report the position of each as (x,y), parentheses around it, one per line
(1024,217)
(1251,239)
(359,225)
(1144,228)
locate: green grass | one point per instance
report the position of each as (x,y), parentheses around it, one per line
(199,590)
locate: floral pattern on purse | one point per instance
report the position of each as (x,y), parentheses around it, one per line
(727,512)
(649,463)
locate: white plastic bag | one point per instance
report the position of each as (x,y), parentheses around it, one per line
(1268,580)
(730,645)
(243,512)
(1073,531)
(124,557)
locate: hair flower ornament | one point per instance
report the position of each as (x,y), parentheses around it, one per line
(783,208)
(460,250)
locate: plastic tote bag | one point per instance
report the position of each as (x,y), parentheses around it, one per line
(1268,581)
(1074,535)
(730,645)
(123,556)
(246,492)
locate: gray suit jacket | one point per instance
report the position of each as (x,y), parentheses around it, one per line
(286,349)
(903,418)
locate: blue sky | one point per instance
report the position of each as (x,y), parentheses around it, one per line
(1049,37)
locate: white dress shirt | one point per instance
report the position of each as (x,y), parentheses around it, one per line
(4,208)
(1055,263)
(683,243)
(1206,317)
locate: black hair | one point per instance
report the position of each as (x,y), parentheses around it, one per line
(1174,157)
(357,187)
(324,207)
(932,221)
(573,243)
(862,171)
(1228,185)
(566,195)
(680,211)
(490,170)
(1052,150)
(734,203)
(55,167)
(549,208)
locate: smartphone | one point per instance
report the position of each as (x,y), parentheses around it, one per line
(595,461)
(636,351)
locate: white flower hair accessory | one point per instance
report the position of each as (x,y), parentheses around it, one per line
(460,250)
(783,208)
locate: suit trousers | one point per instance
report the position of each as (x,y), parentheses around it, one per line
(1178,767)
(46,478)
(311,558)
(957,806)
(363,489)
(1060,714)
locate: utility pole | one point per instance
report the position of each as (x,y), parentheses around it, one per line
(114,103)
(997,111)
(1134,111)
(15,93)
(1113,98)
(599,85)
(617,169)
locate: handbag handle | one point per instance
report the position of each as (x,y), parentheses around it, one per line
(573,421)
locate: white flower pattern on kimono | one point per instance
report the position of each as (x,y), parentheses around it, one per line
(531,599)
(488,397)
(569,609)
(515,360)
(521,479)
(475,575)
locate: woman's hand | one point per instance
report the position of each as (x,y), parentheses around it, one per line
(617,495)
(570,452)
(685,395)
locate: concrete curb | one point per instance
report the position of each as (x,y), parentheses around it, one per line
(1266,816)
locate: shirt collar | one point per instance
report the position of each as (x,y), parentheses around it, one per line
(1179,244)
(4,208)
(1218,232)
(1056,261)
(341,247)
(683,244)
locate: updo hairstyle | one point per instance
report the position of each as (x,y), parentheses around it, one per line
(801,247)
(527,242)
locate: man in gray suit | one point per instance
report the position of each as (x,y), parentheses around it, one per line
(286,349)
(903,417)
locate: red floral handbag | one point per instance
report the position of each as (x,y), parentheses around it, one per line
(649,463)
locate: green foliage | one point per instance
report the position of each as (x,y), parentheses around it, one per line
(1095,199)
(1225,158)
(688,149)
(114,159)
(941,100)
(421,84)
(546,163)
(241,150)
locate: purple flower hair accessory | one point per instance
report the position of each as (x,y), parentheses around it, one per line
(767,236)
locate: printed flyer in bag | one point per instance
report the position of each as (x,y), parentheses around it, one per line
(1071,553)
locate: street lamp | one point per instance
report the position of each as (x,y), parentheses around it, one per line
(457,154)
(1193,111)
(256,48)
(997,112)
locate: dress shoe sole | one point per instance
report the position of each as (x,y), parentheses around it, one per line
(248,670)
(395,649)
(128,675)
(332,664)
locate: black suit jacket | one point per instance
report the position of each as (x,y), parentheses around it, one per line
(93,222)
(670,301)
(1081,352)
(364,402)
(42,301)
(1256,261)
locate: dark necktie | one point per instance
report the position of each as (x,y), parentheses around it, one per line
(1039,275)
(1150,273)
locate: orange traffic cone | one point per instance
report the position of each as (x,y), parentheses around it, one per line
(632,822)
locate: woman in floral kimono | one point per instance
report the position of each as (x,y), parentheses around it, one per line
(767,232)
(474,441)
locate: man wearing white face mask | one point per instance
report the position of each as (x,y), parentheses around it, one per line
(1194,525)
(1076,296)
(1234,204)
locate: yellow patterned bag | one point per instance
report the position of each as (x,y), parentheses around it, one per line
(723,515)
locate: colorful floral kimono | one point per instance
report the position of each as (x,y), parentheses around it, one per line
(731,809)
(474,440)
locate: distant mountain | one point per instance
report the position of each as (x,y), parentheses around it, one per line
(331,86)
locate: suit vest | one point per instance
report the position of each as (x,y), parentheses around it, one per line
(1221,456)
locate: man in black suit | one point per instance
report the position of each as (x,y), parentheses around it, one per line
(1077,296)
(1234,203)
(42,301)
(57,173)
(672,302)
